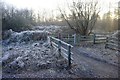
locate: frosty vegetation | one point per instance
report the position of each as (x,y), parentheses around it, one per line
(25,45)
(30,51)
(116,34)
(35,55)
(25,36)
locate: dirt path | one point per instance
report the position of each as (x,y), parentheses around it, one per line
(97,68)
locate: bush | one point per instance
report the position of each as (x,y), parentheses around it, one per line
(25,36)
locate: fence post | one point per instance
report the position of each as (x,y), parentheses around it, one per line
(68,38)
(79,38)
(106,42)
(59,47)
(69,56)
(94,36)
(74,39)
(50,39)
(59,35)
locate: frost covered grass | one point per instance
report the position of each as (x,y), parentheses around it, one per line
(22,56)
(25,56)
(116,34)
(99,52)
(51,28)
(28,54)
(24,50)
(25,36)
(34,60)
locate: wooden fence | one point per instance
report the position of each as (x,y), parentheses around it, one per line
(64,49)
(76,39)
(98,38)
(112,43)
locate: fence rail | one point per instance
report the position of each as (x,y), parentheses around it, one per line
(112,43)
(76,39)
(100,38)
(64,49)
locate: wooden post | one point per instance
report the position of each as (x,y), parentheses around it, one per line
(50,39)
(94,36)
(106,42)
(59,35)
(69,56)
(59,47)
(79,38)
(68,38)
(74,39)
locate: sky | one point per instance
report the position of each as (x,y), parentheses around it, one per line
(50,5)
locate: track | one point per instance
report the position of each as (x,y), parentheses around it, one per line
(97,67)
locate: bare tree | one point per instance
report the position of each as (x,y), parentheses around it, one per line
(83,16)
(17,20)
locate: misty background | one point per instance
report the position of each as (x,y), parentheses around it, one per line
(19,16)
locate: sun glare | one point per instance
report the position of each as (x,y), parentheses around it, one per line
(34,4)
(49,5)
